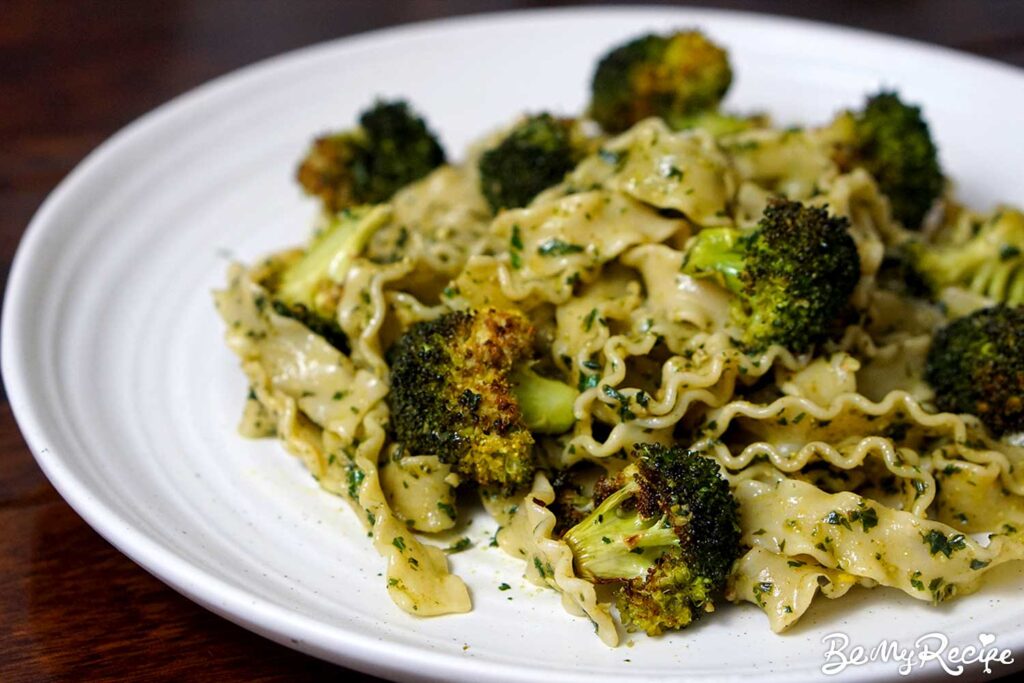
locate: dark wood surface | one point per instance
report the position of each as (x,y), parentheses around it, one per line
(73,72)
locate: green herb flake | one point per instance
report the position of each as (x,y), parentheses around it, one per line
(539,567)
(1008,251)
(837,518)
(624,412)
(557,247)
(355,479)
(868,518)
(462,544)
(517,238)
(938,542)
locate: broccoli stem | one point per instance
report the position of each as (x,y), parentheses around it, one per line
(611,543)
(716,123)
(546,404)
(331,254)
(715,250)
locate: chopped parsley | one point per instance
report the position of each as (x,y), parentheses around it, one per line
(557,247)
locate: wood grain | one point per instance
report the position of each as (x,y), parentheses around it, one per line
(71,74)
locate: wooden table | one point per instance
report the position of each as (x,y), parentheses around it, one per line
(71,73)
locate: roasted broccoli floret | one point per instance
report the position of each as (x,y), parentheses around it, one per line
(891,140)
(391,148)
(669,533)
(309,288)
(462,389)
(976,365)
(792,275)
(990,263)
(534,155)
(672,76)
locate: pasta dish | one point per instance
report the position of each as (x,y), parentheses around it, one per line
(681,355)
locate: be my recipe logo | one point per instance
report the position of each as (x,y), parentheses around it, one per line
(931,649)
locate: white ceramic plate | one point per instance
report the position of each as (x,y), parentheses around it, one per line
(123,388)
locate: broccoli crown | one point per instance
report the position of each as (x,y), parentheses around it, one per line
(670,596)
(669,532)
(391,148)
(976,365)
(535,155)
(329,170)
(990,263)
(451,394)
(793,275)
(402,149)
(894,144)
(670,76)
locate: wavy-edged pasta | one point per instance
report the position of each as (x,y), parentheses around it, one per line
(845,472)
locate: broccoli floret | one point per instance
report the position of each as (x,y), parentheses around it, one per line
(309,288)
(990,263)
(669,533)
(976,365)
(535,155)
(891,141)
(331,168)
(672,76)
(391,148)
(792,275)
(462,389)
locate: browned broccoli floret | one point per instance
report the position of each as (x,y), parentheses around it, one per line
(391,148)
(976,366)
(462,389)
(534,155)
(667,534)
(309,287)
(673,76)
(891,140)
(792,276)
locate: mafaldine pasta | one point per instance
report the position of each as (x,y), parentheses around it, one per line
(807,308)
